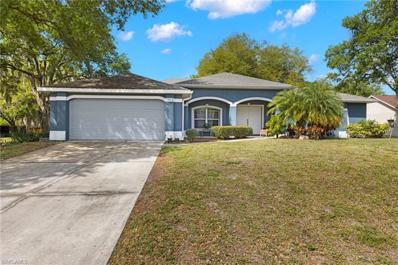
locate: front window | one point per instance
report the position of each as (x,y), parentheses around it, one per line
(205,117)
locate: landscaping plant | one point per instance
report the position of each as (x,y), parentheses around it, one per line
(312,110)
(276,125)
(367,129)
(191,134)
(21,136)
(226,132)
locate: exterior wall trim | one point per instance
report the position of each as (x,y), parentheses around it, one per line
(174,135)
(58,98)
(249,99)
(227,101)
(211,98)
(57,136)
(203,106)
(348,115)
(63,98)
(344,134)
(183,120)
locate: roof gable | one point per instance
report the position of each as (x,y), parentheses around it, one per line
(389,100)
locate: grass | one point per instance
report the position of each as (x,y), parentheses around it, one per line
(10,149)
(267,202)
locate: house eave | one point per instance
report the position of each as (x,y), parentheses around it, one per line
(193,86)
(357,101)
(114,90)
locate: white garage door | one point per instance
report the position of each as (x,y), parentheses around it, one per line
(116,119)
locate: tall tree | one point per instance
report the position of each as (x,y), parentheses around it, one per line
(57,40)
(17,103)
(237,54)
(240,54)
(355,87)
(371,54)
(282,64)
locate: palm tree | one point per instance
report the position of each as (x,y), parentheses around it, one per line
(312,110)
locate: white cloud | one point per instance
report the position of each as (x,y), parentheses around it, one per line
(166,51)
(299,17)
(313,59)
(302,15)
(228,8)
(277,25)
(166,32)
(279,12)
(126,35)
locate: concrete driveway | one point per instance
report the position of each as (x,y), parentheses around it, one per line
(68,203)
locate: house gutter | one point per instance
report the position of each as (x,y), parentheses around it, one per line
(235,87)
(114,91)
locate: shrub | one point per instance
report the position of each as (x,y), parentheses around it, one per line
(312,131)
(276,125)
(226,132)
(191,134)
(6,141)
(367,129)
(22,136)
(314,110)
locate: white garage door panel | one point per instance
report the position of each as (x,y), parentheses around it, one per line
(114,119)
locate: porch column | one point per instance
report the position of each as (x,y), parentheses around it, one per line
(173,118)
(232,115)
(59,117)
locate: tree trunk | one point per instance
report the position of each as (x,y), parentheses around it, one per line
(44,121)
(43,106)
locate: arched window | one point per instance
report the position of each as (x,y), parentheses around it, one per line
(206,117)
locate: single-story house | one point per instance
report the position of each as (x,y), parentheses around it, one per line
(384,108)
(133,107)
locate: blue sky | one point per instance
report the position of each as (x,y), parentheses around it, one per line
(160,49)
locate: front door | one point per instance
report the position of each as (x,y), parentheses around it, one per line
(250,115)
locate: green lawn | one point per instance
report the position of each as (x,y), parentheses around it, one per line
(268,202)
(9,149)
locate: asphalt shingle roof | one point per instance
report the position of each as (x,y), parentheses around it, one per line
(232,81)
(128,81)
(348,98)
(390,100)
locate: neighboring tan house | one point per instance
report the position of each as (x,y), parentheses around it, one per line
(132,107)
(384,108)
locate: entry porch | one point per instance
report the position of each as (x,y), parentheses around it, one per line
(206,113)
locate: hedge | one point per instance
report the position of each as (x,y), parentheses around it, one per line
(367,129)
(226,132)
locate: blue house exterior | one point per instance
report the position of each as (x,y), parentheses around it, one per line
(234,94)
(133,107)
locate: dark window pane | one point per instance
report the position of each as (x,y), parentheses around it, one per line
(200,113)
(213,123)
(213,114)
(200,123)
